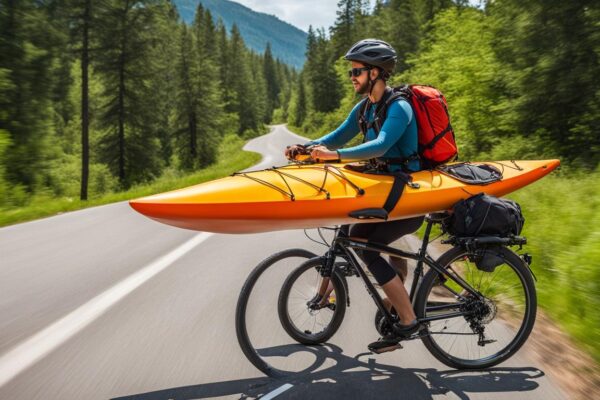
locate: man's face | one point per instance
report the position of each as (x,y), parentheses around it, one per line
(361,82)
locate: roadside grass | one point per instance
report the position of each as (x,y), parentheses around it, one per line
(562,226)
(231,159)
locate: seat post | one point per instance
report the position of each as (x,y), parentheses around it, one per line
(426,236)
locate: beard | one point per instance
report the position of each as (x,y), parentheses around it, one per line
(363,88)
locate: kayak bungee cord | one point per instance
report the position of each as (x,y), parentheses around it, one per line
(327,169)
(515,165)
(319,189)
(267,184)
(340,174)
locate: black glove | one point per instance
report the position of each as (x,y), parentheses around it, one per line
(295,150)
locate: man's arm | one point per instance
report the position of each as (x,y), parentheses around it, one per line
(343,134)
(399,116)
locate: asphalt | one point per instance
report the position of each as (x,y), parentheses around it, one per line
(103,303)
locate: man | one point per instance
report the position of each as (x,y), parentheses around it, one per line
(373,62)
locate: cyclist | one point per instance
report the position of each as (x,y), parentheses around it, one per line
(373,62)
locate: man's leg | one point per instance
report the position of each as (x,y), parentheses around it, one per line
(398,296)
(400,265)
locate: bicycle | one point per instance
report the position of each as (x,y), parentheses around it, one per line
(457,304)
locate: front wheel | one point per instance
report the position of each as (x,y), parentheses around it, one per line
(308,321)
(481,327)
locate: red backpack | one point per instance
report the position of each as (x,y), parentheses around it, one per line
(437,144)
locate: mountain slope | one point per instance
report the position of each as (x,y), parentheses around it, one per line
(288,43)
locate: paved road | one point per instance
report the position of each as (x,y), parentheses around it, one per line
(103,303)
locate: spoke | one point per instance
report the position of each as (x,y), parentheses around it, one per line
(493,276)
(491,279)
(303,295)
(479,283)
(297,314)
(304,322)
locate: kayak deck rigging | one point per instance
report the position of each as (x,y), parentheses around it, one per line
(326,168)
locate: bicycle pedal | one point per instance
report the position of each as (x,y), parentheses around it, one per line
(386,349)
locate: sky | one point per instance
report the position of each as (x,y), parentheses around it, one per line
(300,13)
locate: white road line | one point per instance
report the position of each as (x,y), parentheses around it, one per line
(42,343)
(277,391)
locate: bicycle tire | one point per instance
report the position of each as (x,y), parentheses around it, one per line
(304,336)
(530,303)
(242,304)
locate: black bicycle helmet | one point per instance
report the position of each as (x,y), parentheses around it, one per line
(373,52)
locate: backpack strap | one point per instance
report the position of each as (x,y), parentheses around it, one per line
(380,112)
(361,116)
(388,98)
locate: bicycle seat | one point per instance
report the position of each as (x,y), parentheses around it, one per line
(369,213)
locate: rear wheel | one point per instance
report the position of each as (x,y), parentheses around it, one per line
(495,322)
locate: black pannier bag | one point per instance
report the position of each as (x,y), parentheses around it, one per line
(483,215)
(488,259)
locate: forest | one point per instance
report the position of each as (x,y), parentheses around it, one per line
(99,96)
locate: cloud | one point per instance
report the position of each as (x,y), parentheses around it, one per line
(300,13)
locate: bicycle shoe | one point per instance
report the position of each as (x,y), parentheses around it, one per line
(392,342)
(404,331)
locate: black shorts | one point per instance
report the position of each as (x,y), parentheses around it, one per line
(382,233)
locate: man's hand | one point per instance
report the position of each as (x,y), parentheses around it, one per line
(321,153)
(294,150)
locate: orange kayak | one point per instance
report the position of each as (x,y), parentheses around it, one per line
(310,196)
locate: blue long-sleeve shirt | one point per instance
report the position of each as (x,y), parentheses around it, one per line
(397,137)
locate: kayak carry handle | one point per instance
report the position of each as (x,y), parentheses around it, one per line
(369,213)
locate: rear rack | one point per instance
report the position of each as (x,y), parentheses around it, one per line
(480,241)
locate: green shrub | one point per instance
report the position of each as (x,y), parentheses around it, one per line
(562,214)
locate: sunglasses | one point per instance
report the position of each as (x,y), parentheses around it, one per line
(357,71)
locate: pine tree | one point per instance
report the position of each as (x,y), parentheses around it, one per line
(227,63)
(86,20)
(322,77)
(349,26)
(27,42)
(273,86)
(377,26)
(300,111)
(187,99)
(208,91)
(80,21)
(245,99)
(4,135)
(164,56)
(129,146)
(402,29)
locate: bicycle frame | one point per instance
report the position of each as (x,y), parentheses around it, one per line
(342,244)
